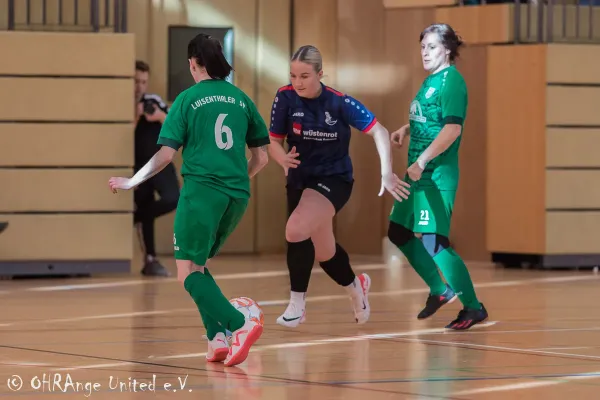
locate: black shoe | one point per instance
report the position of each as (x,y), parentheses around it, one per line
(467,317)
(3,226)
(154,268)
(434,303)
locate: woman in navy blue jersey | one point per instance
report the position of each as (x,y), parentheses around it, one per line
(316,120)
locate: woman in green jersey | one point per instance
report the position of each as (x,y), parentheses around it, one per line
(213,121)
(437,115)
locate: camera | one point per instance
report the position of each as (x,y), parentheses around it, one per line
(149,107)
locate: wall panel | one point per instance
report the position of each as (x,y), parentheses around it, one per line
(69,116)
(66,99)
(570,147)
(468,233)
(562,69)
(573,168)
(66,237)
(515,174)
(572,105)
(572,189)
(62,190)
(319,29)
(361,72)
(67,54)
(395,4)
(72,144)
(273,72)
(571,232)
(487,24)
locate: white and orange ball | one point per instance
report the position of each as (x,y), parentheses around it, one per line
(249,308)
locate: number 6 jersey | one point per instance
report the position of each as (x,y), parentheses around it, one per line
(214,121)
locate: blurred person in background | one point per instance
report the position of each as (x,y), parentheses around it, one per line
(151,112)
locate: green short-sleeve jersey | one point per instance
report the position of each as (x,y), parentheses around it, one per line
(442,99)
(214,121)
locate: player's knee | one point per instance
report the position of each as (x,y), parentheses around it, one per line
(325,250)
(435,244)
(399,235)
(297,229)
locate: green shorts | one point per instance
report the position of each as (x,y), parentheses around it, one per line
(427,210)
(204,219)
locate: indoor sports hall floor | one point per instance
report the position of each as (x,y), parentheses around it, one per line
(542,340)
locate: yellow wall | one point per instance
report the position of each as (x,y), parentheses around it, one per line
(542,163)
(62,139)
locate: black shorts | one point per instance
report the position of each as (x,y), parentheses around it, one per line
(336,189)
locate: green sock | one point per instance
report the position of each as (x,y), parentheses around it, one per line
(209,299)
(423,263)
(211,325)
(456,273)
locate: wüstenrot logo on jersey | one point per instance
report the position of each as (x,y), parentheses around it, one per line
(318,135)
(297,128)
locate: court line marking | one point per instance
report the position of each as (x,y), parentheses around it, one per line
(565,348)
(315,342)
(267,303)
(241,275)
(529,385)
(476,346)
(94,317)
(402,335)
(221,277)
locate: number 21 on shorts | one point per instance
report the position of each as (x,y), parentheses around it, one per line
(424,217)
(220,130)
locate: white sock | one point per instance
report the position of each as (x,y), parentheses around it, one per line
(354,288)
(298,297)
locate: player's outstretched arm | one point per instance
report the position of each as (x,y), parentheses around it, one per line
(389,181)
(286,160)
(258,159)
(157,163)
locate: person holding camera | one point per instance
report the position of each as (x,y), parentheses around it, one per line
(151,112)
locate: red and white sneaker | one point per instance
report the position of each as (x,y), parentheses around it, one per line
(241,341)
(359,295)
(218,349)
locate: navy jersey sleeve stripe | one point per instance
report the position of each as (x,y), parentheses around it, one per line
(371,125)
(279,112)
(277,135)
(357,115)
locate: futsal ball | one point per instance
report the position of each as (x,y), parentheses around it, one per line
(249,308)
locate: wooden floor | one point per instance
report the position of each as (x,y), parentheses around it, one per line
(542,341)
